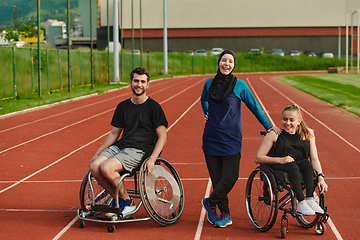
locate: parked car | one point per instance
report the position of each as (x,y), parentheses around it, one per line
(190,52)
(326,55)
(268,51)
(255,51)
(135,51)
(310,53)
(201,52)
(278,52)
(294,53)
(216,51)
(171,51)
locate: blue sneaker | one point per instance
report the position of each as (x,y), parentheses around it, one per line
(211,211)
(113,205)
(224,220)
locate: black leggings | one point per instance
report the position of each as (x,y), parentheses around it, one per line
(224,172)
(294,169)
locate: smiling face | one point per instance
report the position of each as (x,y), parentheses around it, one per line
(139,84)
(290,120)
(226,64)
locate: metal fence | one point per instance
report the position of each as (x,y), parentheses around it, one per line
(20,67)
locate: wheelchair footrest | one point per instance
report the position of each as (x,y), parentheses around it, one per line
(105,208)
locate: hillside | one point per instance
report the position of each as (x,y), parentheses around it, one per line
(27,11)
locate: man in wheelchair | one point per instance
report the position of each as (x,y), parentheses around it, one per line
(290,152)
(142,123)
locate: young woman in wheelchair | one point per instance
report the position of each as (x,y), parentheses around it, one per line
(292,150)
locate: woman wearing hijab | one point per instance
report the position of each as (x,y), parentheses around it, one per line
(222,138)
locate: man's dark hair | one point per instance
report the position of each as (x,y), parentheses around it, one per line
(139,71)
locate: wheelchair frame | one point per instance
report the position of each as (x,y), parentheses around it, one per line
(262,201)
(161,193)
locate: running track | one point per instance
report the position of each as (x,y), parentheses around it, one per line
(45,153)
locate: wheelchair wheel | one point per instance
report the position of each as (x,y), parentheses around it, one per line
(310,221)
(101,197)
(162,192)
(261,199)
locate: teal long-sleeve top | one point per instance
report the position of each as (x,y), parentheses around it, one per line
(223,132)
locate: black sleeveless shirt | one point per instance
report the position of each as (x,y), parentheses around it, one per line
(291,145)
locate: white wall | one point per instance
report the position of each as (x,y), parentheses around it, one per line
(235,13)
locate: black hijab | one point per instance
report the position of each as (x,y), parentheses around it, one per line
(222,85)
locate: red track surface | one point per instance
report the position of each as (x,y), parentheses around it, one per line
(45,154)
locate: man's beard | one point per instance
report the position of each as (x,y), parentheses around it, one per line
(136,93)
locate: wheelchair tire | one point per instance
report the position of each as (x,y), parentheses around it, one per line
(261,199)
(162,192)
(310,221)
(86,196)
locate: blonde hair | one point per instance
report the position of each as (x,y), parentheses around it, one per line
(302,130)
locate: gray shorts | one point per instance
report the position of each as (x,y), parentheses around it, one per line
(130,158)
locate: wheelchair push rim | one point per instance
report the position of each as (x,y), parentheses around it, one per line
(261,199)
(162,192)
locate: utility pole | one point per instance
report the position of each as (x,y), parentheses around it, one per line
(165,47)
(68,35)
(16,17)
(39,53)
(91,48)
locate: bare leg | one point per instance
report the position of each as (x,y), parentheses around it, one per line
(106,172)
(110,170)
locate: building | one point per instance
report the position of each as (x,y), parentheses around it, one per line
(53,29)
(238,25)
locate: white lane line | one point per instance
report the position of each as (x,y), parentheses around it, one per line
(72,110)
(57,161)
(260,102)
(65,228)
(58,130)
(334,229)
(332,225)
(34,210)
(202,214)
(73,124)
(182,179)
(323,124)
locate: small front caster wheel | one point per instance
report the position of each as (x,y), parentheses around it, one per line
(111,228)
(283,231)
(82,223)
(320,228)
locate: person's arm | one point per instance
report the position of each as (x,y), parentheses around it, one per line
(314,158)
(267,143)
(243,91)
(204,95)
(162,136)
(110,139)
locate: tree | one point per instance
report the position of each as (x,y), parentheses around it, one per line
(28,30)
(11,34)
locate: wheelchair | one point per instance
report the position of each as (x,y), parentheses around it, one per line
(161,193)
(268,191)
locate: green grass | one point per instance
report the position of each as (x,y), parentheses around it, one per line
(54,73)
(12,105)
(341,90)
